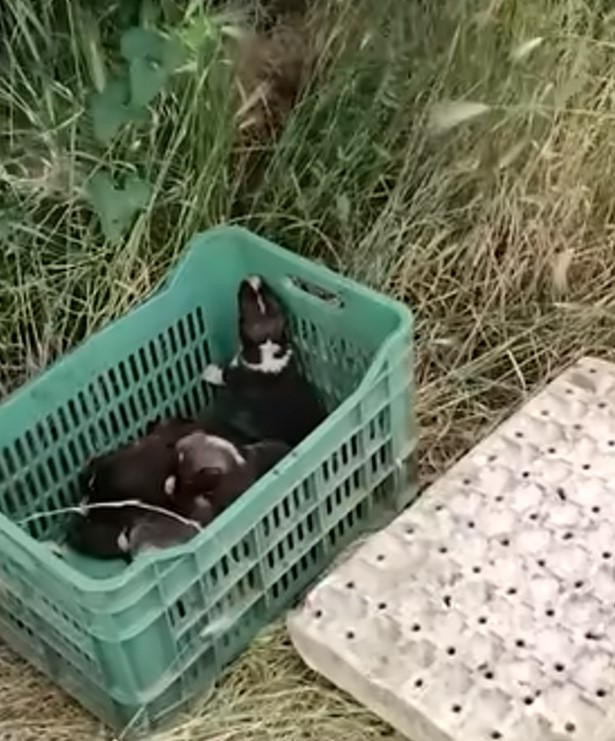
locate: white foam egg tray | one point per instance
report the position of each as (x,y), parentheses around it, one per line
(486,610)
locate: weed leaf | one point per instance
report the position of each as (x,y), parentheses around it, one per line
(151,58)
(117,206)
(111,109)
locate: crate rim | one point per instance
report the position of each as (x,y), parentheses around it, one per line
(36,549)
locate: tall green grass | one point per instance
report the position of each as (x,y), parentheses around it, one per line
(472,223)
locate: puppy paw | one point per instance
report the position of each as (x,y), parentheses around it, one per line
(213,375)
(58,549)
(202,510)
(123,542)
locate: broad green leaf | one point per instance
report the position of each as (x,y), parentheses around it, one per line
(151,58)
(117,206)
(141,42)
(147,78)
(111,109)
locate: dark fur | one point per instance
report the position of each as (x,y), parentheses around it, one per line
(137,470)
(201,495)
(254,410)
(254,405)
(205,486)
(157,531)
(260,458)
(220,482)
(96,537)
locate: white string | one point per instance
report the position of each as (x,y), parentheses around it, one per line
(85,507)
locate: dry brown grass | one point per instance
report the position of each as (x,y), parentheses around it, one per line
(263,697)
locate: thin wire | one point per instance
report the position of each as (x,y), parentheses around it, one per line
(85,507)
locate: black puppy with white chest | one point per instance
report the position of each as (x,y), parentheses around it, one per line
(264,394)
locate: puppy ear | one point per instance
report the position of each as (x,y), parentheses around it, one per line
(270,300)
(152,425)
(250,303)
(96,461)
(267,453)
(91,468)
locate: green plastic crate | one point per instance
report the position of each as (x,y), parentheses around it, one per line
(133,644)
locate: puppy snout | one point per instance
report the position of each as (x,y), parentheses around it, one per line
(255,283)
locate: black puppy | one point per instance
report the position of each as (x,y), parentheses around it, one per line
(98,538)
(139,469)
(141,531)
(264,394)
(213,472)
(206,474)
(142,470)
(209,474)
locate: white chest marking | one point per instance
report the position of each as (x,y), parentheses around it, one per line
(213,375)
(122,541)
(269,362)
